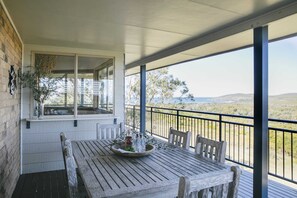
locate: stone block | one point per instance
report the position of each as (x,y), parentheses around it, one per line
(10,54)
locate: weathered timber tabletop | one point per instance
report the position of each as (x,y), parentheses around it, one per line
(157,175)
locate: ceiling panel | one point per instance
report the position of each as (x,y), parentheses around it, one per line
(138,28)
(277,29)
(283,27)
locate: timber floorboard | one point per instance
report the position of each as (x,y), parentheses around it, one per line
(50,184)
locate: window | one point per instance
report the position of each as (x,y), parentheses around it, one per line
(61,102)
(94,85)
(92,90)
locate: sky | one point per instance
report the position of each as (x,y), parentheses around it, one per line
(232,72)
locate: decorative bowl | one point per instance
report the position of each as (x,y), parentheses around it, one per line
(118,150)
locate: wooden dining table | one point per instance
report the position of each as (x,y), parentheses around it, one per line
(108,175)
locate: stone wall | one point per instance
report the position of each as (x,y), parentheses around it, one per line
(10,54)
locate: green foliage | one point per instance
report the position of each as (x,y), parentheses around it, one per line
(39,78)
(159,85)
(129,148)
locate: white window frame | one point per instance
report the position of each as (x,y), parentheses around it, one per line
(75,115)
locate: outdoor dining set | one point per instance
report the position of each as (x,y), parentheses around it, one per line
(96,168)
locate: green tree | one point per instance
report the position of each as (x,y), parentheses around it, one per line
(159,85)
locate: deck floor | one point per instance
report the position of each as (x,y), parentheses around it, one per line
(53,185)
(41,185)
(275,189)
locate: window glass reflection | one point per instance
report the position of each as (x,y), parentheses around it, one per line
(94,85)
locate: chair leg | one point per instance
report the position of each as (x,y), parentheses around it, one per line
(220,191)
(203,193)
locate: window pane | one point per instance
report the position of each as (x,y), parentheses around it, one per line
(110,89)
(60,102)
(94,86)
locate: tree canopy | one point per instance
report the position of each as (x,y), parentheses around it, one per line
(160,86)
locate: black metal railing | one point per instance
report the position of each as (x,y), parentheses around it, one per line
(236,130)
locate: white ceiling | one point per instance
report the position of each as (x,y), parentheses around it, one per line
(146,30)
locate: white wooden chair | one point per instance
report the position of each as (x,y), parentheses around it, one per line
(210,149)
(228,186)
(109,131)
(63,139)
(179,138)
(70,171)
(75,184)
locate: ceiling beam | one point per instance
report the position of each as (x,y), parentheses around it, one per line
(230,29)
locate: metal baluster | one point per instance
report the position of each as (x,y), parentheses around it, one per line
(177,119)
(292,170)
(151,120)
(283,153)
(210,128)
(243,154)
(275,148)
(238,143)
(134,117)
(268,151)
(250,146)
(220,128)
(233,141)
(229,141)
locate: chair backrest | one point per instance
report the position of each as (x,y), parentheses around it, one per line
(63,139)
(210,149)
(68,145)
(179,138)
(109,131)
(70,169)
(227,186)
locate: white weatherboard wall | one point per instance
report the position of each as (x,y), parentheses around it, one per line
(41,148)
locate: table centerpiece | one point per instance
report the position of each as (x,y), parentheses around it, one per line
(133,144)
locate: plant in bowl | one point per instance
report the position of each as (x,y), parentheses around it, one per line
(126,145)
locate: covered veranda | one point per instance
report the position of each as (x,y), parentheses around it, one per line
(149,34)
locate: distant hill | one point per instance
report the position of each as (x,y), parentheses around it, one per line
(288,97)
(282,106)
(238,97)
(232,98)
